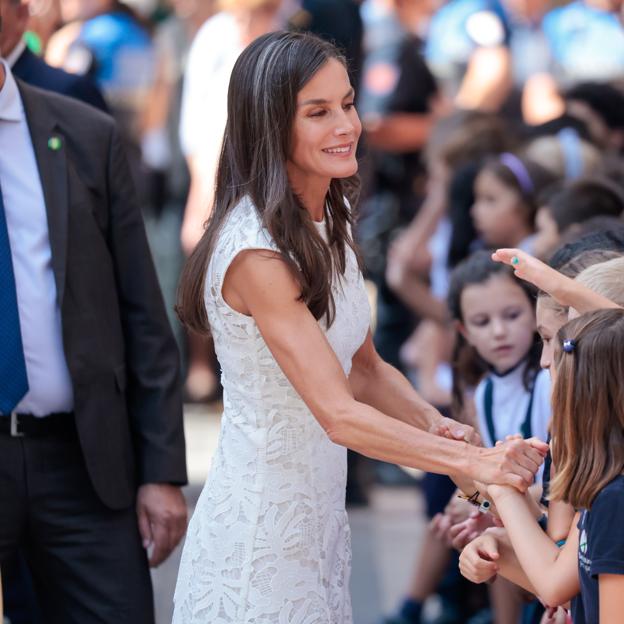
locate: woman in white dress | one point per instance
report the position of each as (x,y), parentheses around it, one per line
(276,281)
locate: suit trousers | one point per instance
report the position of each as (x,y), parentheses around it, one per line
(87,561)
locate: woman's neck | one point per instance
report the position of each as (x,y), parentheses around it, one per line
(312,193)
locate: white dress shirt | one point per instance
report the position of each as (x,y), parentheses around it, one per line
(50,387)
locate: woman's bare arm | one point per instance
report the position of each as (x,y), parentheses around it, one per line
(260,284)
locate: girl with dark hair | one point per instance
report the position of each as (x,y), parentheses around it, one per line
(497,350)
(506,192)
(276,281)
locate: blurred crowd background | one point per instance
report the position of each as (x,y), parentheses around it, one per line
(444,88)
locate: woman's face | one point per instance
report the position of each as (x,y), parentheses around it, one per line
(326,129)
(498,213)
(498,321)
(550,319)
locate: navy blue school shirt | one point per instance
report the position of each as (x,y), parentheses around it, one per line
(601,548)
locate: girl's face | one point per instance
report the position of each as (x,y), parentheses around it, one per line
(498,321)
(547,235)
(326,129)
(550,320)
(498,213)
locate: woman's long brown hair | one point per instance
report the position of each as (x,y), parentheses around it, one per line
(262,102)
(588,407)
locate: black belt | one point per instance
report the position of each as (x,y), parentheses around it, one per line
(27,425)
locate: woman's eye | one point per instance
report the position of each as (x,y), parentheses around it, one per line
(349,105)
(317,113)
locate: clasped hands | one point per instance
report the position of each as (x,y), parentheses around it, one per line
(513,462)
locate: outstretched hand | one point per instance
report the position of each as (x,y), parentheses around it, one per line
(532,270)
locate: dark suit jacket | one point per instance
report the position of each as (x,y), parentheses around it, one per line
(36,72)
(118,344)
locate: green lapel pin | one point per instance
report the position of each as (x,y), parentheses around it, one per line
(55,143)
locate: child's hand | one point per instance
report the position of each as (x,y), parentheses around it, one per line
(531,270)
(478,561)
(465,532)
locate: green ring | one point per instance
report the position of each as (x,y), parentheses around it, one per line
(515,260)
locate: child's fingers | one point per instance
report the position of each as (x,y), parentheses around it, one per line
(538,445)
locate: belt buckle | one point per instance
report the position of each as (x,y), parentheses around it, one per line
(15,433)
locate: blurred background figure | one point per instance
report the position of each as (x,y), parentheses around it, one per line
(213,54)
(160,145)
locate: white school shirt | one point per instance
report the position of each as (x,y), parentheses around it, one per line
(510,402)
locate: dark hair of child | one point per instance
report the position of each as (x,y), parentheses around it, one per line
(526,177)
(583,199)
(608,240)
(467,365)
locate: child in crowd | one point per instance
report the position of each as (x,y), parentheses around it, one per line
(588,453)
(506,192)
(498,351)
(573,205)
(601,272)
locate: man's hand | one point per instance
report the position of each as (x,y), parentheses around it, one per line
(162,516)
(478,561)
(513,462)
(451,429)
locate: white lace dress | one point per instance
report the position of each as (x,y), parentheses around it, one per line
(269,541)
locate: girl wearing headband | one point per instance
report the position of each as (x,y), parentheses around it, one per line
(506,192)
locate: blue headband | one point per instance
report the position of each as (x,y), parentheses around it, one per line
(520,172)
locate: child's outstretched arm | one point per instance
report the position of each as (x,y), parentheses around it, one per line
(566,291)
(552,571)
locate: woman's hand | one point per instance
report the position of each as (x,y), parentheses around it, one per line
(513,463)
(478,560)
(451,429)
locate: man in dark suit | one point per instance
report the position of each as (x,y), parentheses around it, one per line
(35,71)
(90,410)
